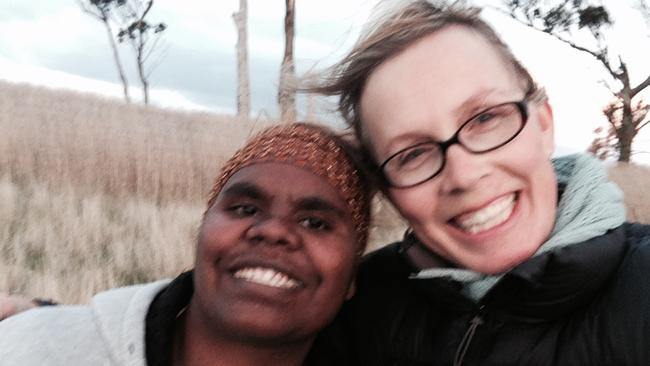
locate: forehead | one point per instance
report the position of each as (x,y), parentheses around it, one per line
(432,80)
(285,180)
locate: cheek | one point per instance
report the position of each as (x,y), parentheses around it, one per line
(416,204)
(216,234)
(529,156)
(535,168)
(545,190)
(335,263)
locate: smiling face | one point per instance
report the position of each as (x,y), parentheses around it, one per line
(486,212)
(275,259)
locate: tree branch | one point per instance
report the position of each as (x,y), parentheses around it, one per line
(611,121)
(643,125)
(599,56)
(101,16)
(529,23)
(146,11)
(644,84)
(605,84)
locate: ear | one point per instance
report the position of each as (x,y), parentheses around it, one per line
(547,127)
(352,289)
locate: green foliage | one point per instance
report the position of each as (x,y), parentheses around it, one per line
(101,9)
(138,28)
(558,18)
(593,16)
(561,17)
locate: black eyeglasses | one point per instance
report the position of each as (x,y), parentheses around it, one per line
(486,131)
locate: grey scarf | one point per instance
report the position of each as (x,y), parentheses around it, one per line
(590,206)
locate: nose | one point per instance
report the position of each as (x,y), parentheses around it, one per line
(273,231)
(462,170)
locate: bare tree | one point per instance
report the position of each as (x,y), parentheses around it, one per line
(144,38)
(564,20)
(608,145)
(286,96)
(243,94)
(101,10)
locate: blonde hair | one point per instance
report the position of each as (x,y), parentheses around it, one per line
(391,33)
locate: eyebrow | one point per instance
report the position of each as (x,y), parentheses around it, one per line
(474,103)
(245,189)
(319,204)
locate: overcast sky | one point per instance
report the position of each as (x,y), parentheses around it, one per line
(51,42)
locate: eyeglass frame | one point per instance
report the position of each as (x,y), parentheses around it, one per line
(522,107)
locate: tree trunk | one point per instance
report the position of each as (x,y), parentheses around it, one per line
(116,58)
(243,93)
(287,97)
(626,133)
(141,73)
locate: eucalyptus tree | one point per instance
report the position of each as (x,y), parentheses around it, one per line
(583,25)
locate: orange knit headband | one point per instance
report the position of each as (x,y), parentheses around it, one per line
(310,147)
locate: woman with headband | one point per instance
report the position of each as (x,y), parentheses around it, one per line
(274,262)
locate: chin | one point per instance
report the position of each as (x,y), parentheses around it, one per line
(505,263)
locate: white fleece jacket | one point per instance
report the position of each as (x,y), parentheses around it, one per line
(109,331)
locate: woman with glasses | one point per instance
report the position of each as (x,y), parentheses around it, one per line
(512,258)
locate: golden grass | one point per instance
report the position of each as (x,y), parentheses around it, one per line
(99,145)
(95,193)
(68,246)
(634,180)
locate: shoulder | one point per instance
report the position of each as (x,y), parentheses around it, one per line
(627,299)
(31,321)
(130,297)
(50,335)
(120,318)
(80,335)
(637,256)
(638,235)
(636,262)
(630,288)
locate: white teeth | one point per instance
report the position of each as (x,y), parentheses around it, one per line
(267,277)
(487,217)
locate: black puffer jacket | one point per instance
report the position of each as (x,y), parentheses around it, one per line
(585,304)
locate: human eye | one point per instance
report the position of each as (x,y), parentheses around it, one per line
(413,157)
(243,209)
(315,223)
(490,119)
(485,117)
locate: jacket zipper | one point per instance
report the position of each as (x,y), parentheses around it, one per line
(467,338)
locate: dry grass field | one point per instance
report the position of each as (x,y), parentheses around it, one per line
(96,194)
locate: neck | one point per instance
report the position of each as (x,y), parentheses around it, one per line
(197,345)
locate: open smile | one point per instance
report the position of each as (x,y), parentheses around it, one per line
(268,277)
(487,217)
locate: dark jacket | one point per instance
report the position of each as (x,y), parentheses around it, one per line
(584,304)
